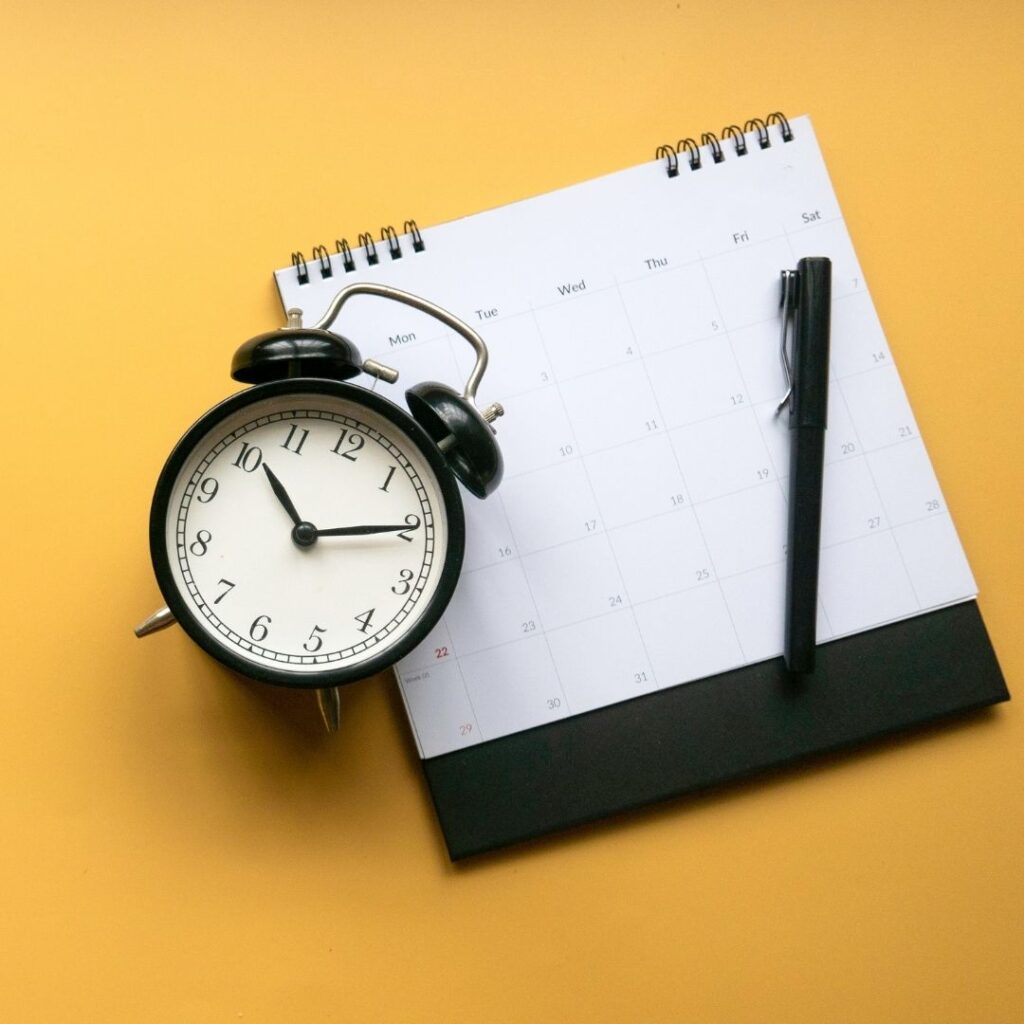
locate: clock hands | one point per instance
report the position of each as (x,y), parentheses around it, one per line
(305,533)
(282,495)
(361,531)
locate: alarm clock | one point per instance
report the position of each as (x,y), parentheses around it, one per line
(308,532)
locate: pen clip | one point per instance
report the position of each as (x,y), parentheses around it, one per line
(788,303)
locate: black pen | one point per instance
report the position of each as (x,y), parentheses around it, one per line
(807,303)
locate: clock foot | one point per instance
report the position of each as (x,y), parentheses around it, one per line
(329,700)
(160,619)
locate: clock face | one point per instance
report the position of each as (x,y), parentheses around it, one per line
(307,532)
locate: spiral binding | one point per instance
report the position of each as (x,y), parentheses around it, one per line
(687,149)
(390,241)
(690,151)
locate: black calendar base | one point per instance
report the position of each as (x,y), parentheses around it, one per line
(712,731)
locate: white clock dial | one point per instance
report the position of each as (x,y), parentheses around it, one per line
(306,532)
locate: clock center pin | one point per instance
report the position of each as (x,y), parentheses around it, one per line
(304,534)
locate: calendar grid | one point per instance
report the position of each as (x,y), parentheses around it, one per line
(512,533)
(603,524)
(641,524)
(689,495)
(881,500)
(691,341)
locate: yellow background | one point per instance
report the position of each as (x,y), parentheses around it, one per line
(179,846)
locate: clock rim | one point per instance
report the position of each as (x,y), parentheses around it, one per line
(188,619)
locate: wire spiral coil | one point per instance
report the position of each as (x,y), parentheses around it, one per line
(344,256)
(689,150)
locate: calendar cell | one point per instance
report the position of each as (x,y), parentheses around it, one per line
(864,583)
(636,481)
(536,432)
(440,709)
(568,511)
(878,407)
(574,581)
(434,650)
(660,320)
(829,238)
(587,333)
(697,381)
(935,560)
(774,430)
(906,482)
(601,661)
(857,342)
(757,600)
(662,555)
(611,406)
(759,357)
(851,506)
(430,359)
(745,530)
(517,363)
(471,615)
(489,537)
(842,442)
(746,282)
(722,455)
(514,687)
(689,635)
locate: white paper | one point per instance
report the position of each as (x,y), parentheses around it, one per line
(638,538)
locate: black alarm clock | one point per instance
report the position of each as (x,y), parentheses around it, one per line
(308,532)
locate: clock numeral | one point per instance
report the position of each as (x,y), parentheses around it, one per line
(258,630)
(249,458)
(303,434)
(201,543)
(391,473)
(208,489)
(354,441)
(413,522)
(226,583)
(404,584)
(364,620)
(314,643)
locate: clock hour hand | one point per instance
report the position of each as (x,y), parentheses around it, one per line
(282,495)
(361,531)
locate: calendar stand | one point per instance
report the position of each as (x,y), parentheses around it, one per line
(726,727)
(613,636)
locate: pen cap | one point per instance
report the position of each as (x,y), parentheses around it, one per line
(812,323)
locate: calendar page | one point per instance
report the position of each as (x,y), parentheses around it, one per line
(638,539)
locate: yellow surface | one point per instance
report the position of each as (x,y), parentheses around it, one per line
(178,846)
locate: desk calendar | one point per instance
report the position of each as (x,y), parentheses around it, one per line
(638,542)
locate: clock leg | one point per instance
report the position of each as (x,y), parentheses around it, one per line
(160,619)
(329,700)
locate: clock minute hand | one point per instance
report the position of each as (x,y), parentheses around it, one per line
(282,495)
(361,531)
